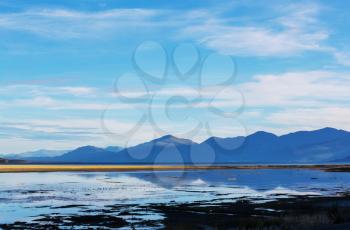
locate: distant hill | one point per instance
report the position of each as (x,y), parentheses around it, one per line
(35,154)
(299,147)
(319,146)
(85,154)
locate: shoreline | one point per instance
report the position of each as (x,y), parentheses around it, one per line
(26,168)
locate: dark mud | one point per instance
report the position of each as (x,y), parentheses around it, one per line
(302,212)
(338,169)
(70,222)
(293,213)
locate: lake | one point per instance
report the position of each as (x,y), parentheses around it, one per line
(29,197)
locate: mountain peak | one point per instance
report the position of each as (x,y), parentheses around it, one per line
(263,134)
(330,129)
(324,131)
(221,139)
(86,147)
(262,137)
(211,139)
(168,139)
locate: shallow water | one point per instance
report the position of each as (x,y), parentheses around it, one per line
(27,196)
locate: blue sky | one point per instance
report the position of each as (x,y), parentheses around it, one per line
(74,73)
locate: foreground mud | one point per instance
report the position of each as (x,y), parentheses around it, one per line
(300,212)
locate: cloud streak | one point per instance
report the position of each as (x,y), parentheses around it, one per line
(289,30)
(298,89)
(72,24)
(293,30)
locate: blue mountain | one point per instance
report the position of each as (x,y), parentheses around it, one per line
(319,146)
(300,147)
(114,149)
(85,154)
(166,149)
(35,154)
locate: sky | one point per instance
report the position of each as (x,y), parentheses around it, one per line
(115,72)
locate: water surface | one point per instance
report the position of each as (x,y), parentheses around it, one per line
(28,196)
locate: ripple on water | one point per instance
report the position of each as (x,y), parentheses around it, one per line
(34,195)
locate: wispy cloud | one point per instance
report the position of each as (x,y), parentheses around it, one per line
(298,100)
(342,57)
(58,98)
(67,24)
(279,103)
(33,134)
(287,30)
(310,118)
(292,29)
(33,89)
(298,89)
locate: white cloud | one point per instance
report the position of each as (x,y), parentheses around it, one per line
(49,103)
(59,98)
(255,41)
(37,90)
(61,134)
(312,118)
(298,16)
(342,57)
(298,89)
(65,23)
(293,89)
(78,90)
(297,101)
(287,30)
(276,102)
(294,29)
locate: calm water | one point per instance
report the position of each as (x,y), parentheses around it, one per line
(26,196)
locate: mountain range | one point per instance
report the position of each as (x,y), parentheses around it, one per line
(319,146)
(34,154)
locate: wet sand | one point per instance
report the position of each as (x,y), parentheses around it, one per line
(301,212)
(7,168)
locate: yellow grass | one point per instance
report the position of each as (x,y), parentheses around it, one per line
(119,168)
(95,168)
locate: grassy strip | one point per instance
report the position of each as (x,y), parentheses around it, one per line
(5,168)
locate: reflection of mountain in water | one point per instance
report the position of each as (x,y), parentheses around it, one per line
(262,179)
